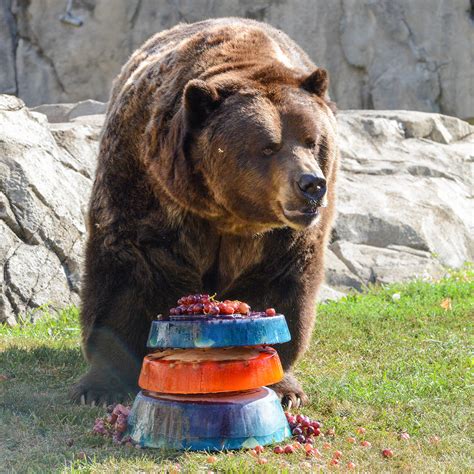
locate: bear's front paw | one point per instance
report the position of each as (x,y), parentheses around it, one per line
(99,389)
(290,392)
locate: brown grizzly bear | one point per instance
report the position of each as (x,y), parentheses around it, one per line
(216,173)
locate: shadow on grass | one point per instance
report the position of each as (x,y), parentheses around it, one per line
(41,427)
(37,379)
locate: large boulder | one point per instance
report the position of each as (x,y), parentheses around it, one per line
(384,54)
(405,197)
(404,201)
(406,181)
(46,176)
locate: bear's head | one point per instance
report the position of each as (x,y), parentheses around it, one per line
(255,154)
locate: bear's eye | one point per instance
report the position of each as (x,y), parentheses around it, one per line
(311,144)
(271,149)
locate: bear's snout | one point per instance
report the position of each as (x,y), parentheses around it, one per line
(312,187)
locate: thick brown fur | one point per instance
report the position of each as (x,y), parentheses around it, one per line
(209,126)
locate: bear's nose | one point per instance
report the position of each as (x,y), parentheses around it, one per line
(313,187)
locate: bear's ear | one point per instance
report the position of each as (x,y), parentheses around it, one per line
(200,99)
(317,82)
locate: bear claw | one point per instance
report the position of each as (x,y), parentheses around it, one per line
(96,390)
(290,392)
(287,402)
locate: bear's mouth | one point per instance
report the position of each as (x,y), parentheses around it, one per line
(307,211)
(304,216)
(311,209)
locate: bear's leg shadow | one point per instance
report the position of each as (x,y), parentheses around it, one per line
(115,322)
(114,367)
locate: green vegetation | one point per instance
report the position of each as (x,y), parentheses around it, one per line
(385,363)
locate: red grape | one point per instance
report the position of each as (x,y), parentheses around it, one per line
(121,427)
(259,449)
(226,309)
(301,439)
(289,449)
(111,419)
(290,418)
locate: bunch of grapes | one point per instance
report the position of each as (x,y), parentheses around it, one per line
(205,304)
(208,305)
(303,428)
(304,431)
(114,424)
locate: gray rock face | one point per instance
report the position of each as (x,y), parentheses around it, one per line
(7,50)
(382,54)
(407,180)
(405,201)
(46,176)
(35,278)
(405,206)
(385,265)
(60,113)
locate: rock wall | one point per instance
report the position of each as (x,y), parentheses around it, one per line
(404,209)
(46,173)
(382,54)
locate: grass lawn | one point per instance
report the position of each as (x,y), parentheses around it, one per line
(386,364)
